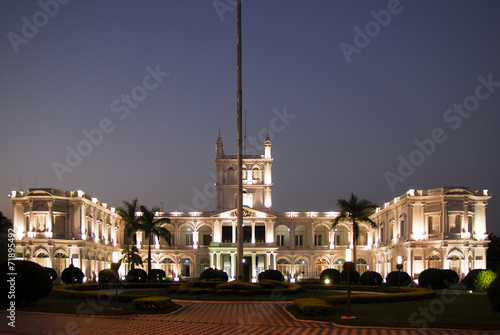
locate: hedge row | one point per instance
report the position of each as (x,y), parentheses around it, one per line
(417,294)
(79,294)
(341,287)
(312,306)
(151,304)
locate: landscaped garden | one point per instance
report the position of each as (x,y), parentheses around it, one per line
(372,302)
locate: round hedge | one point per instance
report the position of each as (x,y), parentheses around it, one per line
(354,277)
(71,270)
(32,282)
(157,275)
(468,281)
(437,279)
(271,275)
(494,293)
(214,274)
(371,278)
(108,276)
(52,273)
(392,278)
(332,274)
(137,276)
(478,280)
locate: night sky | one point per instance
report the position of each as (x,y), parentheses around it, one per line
(124,99)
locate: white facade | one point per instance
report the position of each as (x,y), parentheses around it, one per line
(443,228)
(56,228)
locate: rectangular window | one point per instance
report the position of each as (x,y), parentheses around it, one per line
(455,224)
(433,225)
(280,240)
(227,234)
(471,224)
(299,240)
(189,239)
(317,240)
(207,239)
(338,239)
(260,234)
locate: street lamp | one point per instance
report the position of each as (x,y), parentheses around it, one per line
(399,266)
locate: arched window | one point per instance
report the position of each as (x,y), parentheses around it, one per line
(186,267)
(321,264)
(285,267)
(455,264)
(361,266)
(339,263)
(301,269)
(435,261)
(168,265)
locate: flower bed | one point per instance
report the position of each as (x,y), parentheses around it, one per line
(312,306)
(407,294)
(151,304)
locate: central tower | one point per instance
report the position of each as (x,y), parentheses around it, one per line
(257,179)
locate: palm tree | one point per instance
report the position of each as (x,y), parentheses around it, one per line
(355,211)
(151,225)
(131,256)
(129,215)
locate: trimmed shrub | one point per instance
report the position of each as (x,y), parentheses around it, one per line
(52,273)
(271,275)
(437,279)
(108,276)
(450,277)
(478,280)
(484,280)
(312,306)
(273,284)
(392,279)
(468,281)
(32,282)
(494,293)
(406,295)
(136,276)
(214,274)
(371,278)
(153,303)
(72,275)
(332,274)
(157,275)
(354,277)
(236,288)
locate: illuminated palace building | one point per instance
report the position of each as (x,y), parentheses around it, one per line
(438,228)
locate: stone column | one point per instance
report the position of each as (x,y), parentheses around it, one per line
(233,265)
(233,230)
(254,268)
(253,232)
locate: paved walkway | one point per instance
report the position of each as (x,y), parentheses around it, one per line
(212,318)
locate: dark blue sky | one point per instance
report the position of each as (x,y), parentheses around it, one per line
(341,121)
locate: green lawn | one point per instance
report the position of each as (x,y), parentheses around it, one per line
(464,311)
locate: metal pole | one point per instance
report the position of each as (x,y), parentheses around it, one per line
(349,293)
(239,197)
(399,280)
